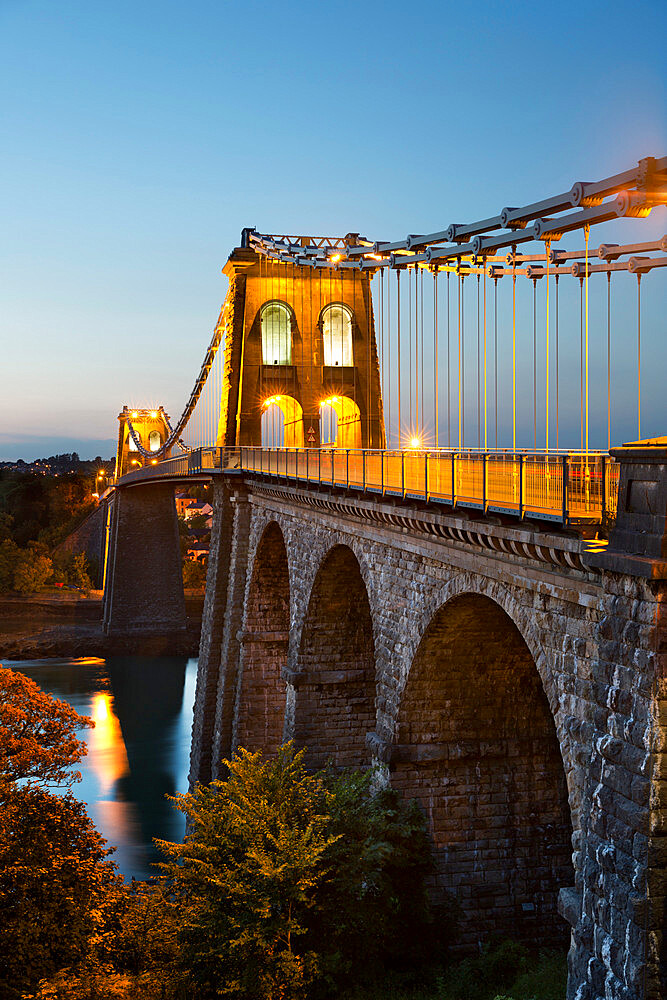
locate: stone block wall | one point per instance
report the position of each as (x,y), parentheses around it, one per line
(144,586)
(535,711)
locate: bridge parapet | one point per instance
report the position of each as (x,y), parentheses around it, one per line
(638,541)
(572,488)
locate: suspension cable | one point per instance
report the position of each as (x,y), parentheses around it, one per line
(557,368)
(459,286)
(608,360)
(435,353)
(514,349)
(421,342)
(639,356)
(581,361)
(449,378)
(398,324)
(535,363)
(547,247)
(479,422)
(495,358)
(587,230)
(410,424)
(485,441)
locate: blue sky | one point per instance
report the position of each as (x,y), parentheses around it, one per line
(139,138)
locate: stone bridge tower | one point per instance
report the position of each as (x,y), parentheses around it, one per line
(299,341)
(150,426)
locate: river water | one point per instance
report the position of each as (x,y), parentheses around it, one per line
(138,751)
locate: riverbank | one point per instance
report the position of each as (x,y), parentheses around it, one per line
(57,623)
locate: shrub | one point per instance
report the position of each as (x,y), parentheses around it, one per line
(288,883)
(54,881)
(31,572)
(194,573)
(9,557)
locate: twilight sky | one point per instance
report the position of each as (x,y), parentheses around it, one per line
(138,138)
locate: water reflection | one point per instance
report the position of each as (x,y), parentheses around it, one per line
(139,749)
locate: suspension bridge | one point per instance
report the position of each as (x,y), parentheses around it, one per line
(430,552)
(407,388)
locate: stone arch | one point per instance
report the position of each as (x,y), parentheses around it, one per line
(475,742)
(262,690)
(335,676)
(524,620)
(282,422)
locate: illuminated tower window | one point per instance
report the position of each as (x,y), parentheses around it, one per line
(130,442)
(276,334)
(154,441)
(337,335)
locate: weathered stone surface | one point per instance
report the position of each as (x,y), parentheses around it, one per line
(144,585)
(520,699)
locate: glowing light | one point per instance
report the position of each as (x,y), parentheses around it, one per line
(100,475)
(153,414)
(336,257)
(153,461)
(134,414)
(107,754)
(415,443)
(101,708)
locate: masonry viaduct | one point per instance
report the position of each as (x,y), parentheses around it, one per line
(510,678)
(505,671)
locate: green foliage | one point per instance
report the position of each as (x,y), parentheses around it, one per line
(54,881)
(78,573)
(289,883)
(44,507)
(38,741)
(6,526)
(507,968)
(375,914)
(75,570)
(247,876)
(31,573)
(194,573)
(198,522)
(9,556)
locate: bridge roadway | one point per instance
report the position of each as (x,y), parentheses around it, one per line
(508,672)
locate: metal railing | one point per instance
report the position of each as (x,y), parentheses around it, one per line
(569,488)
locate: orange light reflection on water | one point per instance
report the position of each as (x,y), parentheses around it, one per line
(107,756)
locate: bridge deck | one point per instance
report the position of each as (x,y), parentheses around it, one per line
(568,488)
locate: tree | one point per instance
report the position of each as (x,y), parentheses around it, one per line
(375,913)
(289,884)
(78,573)
(9,556)
(38,739)
(6,525)
(248,873)
(32,571)
(194,573)
(54,885)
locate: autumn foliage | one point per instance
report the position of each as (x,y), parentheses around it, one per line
(54,877)
(38,740)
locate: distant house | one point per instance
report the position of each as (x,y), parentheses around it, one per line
(198,551)
(199,508)
(182,501)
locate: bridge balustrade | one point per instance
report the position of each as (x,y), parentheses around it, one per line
(572,487)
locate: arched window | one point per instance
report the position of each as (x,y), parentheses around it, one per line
(337,335)
(276,334)
(130,441)
(154,441)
